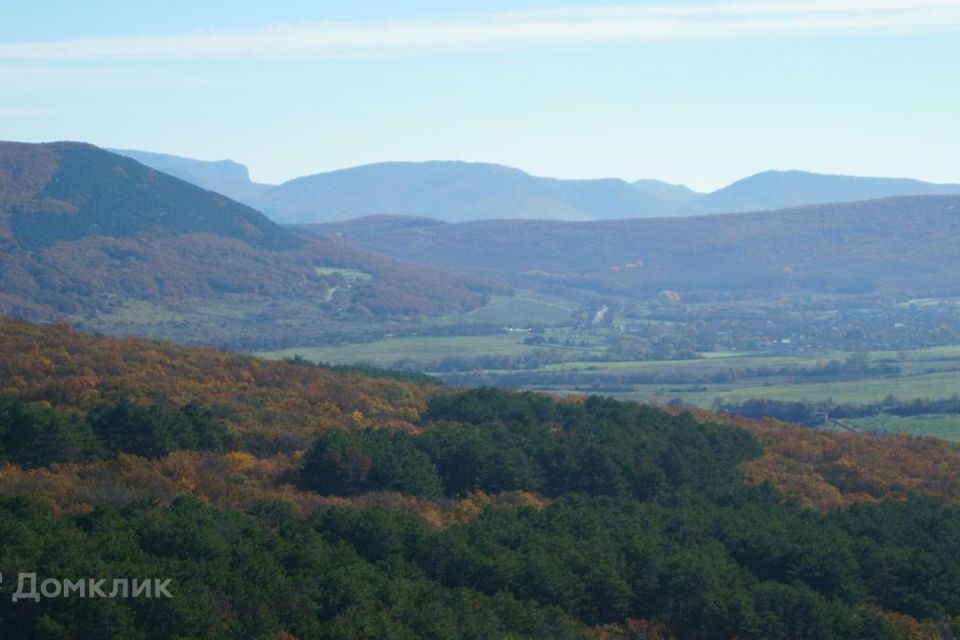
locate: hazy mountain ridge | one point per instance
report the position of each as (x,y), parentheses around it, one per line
(781,189)
(466,192)
(906,243)
(672,195)
(450,191)
(230,178)
(454,191)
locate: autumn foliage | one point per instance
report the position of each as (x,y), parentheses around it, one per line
(830,470)
(289,500)
(276,405)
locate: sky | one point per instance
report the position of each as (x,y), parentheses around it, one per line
(695,92)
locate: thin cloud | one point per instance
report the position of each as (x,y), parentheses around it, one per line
(549,27)
(735,8)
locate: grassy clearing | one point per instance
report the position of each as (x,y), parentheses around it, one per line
(525,308)
(350,275)
(425,349)
(140,313)
(710,362)
(946,352)
(920,362)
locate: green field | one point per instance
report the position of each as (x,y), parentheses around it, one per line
(945,427)
(864,390)
(389,351)
(133,314)
(589,366)
(349,275)
(525,308)
(923,374)
(711,361)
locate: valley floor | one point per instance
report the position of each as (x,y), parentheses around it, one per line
(527,342)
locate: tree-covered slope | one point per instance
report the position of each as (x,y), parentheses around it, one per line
(94,192)
(85,233)
(284,500)
(893,244)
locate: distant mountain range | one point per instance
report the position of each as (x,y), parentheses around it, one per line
(230,178)
(781,189)
(84,233)
(466,191)
(459,192)
(902,244)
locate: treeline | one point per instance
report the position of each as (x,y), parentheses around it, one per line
(525,361)
(521,375)
(814,413)
(365,370)
(33,435)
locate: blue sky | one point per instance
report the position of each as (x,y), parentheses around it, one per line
(694,92)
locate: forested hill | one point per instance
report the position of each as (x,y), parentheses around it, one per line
(96,237)
(66,191)
(893,244)
(285,500)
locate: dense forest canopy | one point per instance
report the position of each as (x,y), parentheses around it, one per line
(285,500)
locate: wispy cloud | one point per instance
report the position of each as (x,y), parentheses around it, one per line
(549,27)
